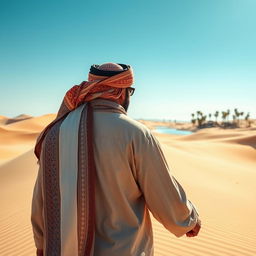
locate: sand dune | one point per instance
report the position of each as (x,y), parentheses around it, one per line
(17,178)
(14,143)
(3,120)
(9,136)
(35,124)
(216,167)
(218,171)
(17,119)
(18,136)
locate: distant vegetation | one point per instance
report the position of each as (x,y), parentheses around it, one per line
(224,119)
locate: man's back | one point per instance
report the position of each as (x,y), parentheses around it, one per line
(132,176)
(122,219)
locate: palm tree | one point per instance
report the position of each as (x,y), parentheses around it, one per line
(223,116)
(199,115)
(193,120)
(216,114)
(228,112)
(237,114)
(247,119)
(200,118)
(210,116)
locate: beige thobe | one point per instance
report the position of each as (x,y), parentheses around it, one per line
(132,177)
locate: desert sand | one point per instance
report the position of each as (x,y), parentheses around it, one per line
(216,167)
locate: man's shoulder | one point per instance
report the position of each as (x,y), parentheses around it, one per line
(134,126)
(116,123)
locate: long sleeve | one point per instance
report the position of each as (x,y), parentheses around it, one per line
(37,214)
(164,196)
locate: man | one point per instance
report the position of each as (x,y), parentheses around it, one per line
(100,171)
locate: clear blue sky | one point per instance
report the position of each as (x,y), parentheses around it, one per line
(187,55)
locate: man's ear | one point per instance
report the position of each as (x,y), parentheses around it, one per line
(126,100)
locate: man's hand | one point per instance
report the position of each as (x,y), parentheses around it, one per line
(195,230)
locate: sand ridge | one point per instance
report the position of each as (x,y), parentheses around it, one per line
(216,167)
(35,124)
(20,135)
